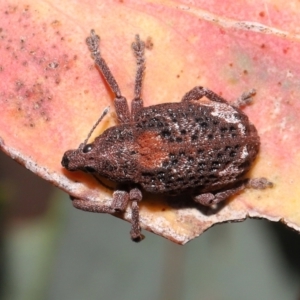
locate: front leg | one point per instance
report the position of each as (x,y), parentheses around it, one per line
(138,48)
(119,204)
(135,195)
(121,104)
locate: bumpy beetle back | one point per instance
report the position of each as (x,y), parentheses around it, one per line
(182,146)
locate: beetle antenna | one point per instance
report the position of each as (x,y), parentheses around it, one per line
(105,111)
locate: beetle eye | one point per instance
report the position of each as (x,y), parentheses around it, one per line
(87,148)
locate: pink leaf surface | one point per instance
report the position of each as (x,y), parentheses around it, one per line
(51,93)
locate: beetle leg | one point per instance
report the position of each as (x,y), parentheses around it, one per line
(122,109)
(119,204)
(138,49)
(208,199)
(259,183)
(198,92)
(245,99)
(135,195)
(121,104)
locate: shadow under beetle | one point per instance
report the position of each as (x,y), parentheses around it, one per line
(197,148)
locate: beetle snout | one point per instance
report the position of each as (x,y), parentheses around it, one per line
(74,160)
(65,161)
(69,160)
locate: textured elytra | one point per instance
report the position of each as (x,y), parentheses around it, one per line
(201,150)
(202,146)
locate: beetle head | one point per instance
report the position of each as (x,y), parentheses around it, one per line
(82,159)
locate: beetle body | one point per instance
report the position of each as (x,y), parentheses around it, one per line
(175,148)
(202,146)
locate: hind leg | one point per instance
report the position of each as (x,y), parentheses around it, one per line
(198,92)
(208,199)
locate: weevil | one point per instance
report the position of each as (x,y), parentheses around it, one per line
(201,147)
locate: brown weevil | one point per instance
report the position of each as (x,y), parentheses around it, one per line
(201,147)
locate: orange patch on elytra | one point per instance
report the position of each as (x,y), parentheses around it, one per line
(152,151)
